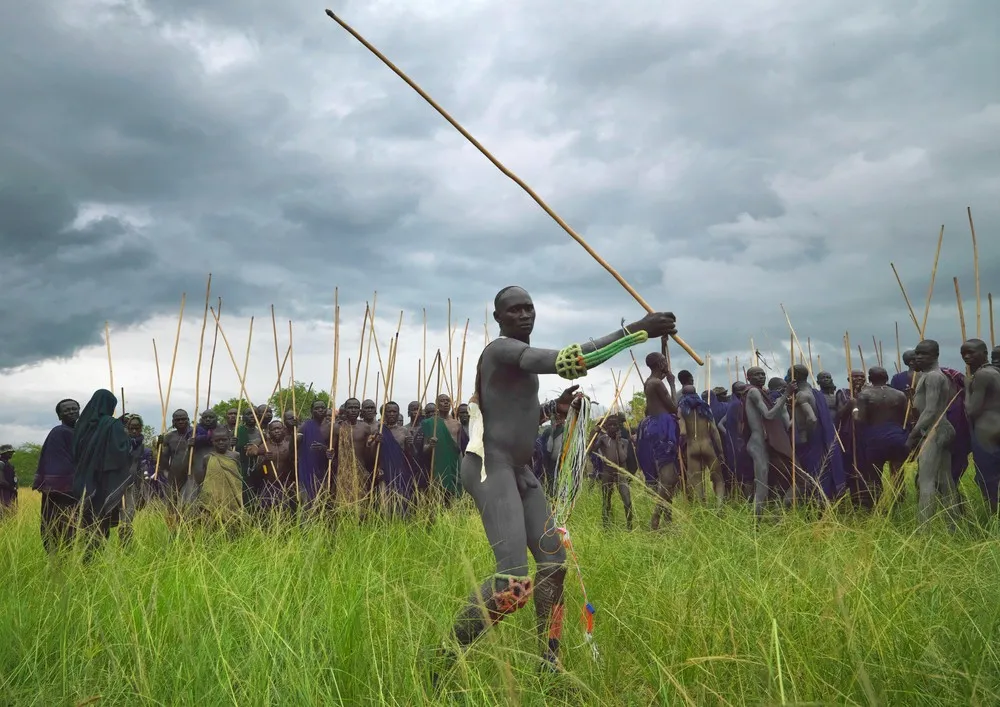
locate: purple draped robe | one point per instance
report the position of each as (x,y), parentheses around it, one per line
(657,441)
(55,462)
(312,463)
(820,456)
(398,471)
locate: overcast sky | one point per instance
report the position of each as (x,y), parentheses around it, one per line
(726,157)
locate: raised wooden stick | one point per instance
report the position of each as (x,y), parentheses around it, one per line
(246,365)
(163,408)
(361,351)
(930,288)
(791,372)
(243,386)
(961,309)
(861,353)
(517,180)
(975,269)
(393,349)
(295,411)
(809,344)
(333,384)
(899,352)
(197,374)
(913,317)
(111,368)
(170,378)
(368,356)
(819,361)
(461,365)
(277,364)
(424,359)
(993,338)
(211,363)
(451,368)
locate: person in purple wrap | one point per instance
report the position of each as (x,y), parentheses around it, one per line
(658,436)
(879,425)
(961,447)
(8,481)
(54,479)
(982,405)
(903,381)
(759,411)
(738,461)
(775,387)
(854,452)
(396,465)
(933,436)
(312,453)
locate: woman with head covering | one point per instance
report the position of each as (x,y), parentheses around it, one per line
(102,459)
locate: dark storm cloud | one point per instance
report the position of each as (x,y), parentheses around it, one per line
(725,160)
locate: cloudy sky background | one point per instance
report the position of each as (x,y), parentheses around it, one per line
(726,157)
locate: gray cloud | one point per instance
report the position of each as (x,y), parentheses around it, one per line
(723,160)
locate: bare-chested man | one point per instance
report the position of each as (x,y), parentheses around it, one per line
(854,452)
(828,388)
(703,445)
(443,444)
(353,454)
(982,405)
(618,458)
(879,423)
(758,413)
(397,468)
(175,452)
(368,411)
(934,435)
(658,437)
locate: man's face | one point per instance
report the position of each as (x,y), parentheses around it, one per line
(248,419)
(429,410)
(276,431)
(231,417)
(220,442)
(825,381)
(443,405)
(515,313)
(69,412)
(352,408)
(209,420)
(181,421)
(463,414)
(756,377)
(289,418)
(974,355)
(391,415)
(368,410)
(413,409)
(612,427)
(923,357)
(857,380)
(318,410)
(134,428)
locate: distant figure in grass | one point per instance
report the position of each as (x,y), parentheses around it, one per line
(54,479)
(879,425)
(443,442)
(312,453)
(496,470)
(353,454)
(658,436)
(700,435)
(8,481)
(221,481)
(618,463)
(933,436)
(854,451)
(738,461)
(141,490)
(982,404)
(396,466)
(765,441)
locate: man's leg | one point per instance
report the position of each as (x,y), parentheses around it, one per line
(761,471)
(607,489)
(932,462)
(626,493)
(545,544)
(666,485)
(695,472)
(718,477)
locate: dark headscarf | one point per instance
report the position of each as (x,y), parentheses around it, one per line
(101,453)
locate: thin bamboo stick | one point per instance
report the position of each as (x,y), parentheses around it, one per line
(246,365)
(277,363)
(913,317)
(111,368)
(368,356)
(170,379)
(930,288)
(243,386)
(333,384)
(295,431)
(197,374)
(975,269)
(211,362)
(461,365)
(899,351)
(993,337)
(961,310)
(361,351)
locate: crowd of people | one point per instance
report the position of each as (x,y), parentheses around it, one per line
(778,439)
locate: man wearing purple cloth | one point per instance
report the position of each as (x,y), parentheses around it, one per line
(396,466)
(8,481)
(879,424)
(312,454)
(659,435)
(982,404)
(54,478)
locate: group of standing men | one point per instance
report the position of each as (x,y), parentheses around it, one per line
(744,444)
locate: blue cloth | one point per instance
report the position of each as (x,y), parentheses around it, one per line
(8,483)
(987,471)
(312,464)
(657,444)
(883,442)
(737,459)
(719,408)
(55,462)
(398,471)
(691,402)
(901,381)
(819,456)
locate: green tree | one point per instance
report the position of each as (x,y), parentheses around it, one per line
(25,461)
(305,396)
(224,406)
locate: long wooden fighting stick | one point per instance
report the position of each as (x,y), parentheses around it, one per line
(277,363)
(393,349)
(451,368)
(243,386)
(246,365)
(368,356)
(211,362)
(913,317)
(111,368)
(461,366)
(850,389)
(930,288)
(899,353)
(170,380)
(424,359)
(163,406)
(361,351)
(295,432)
(513,177)
(333,384)
(197,374)
(993,337)
(975,269)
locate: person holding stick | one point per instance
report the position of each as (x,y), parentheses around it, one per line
(496,470)
(982,405)
(658,436)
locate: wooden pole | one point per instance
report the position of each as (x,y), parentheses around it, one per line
(390,374)
(170,378)
(197,374)
(246,365)
(211,362)
(368,356)
(361,351)
(424,359)
(861,354)
(277,365)
(243,386)
(517,180)
(791,372)
(333,384)
(975,269)
(913,317)
(461,365)
(451,369)
(930,288)
(899,351)
(111,368)
(993,337)
(295,430)
(961,310)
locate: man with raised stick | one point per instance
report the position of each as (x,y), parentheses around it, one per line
(496,469)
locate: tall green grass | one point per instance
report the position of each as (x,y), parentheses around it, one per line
(847,609)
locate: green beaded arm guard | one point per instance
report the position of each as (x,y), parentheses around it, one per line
(572,363)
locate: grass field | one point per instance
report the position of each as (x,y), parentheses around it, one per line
(843,610)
